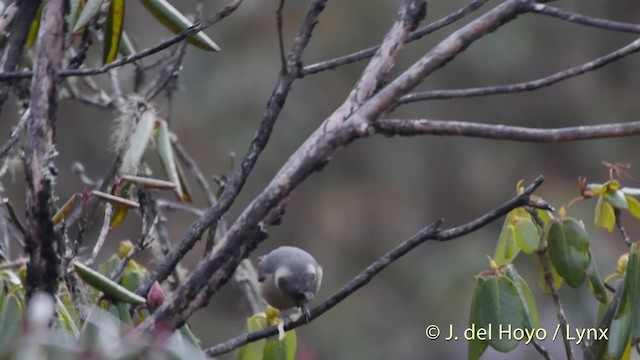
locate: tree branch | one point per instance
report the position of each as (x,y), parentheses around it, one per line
(41,240)
(583,19)
(337,131)
(236,181)
(524,86)
(194,29)
(368,52)
(431,232)
(413,127)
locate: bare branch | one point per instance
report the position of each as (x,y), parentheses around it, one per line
(391,127)
(543,255)
(431,232)
(108,208)
(41,239)
(20,26)
(196,28)
(524,86)
(418,34)
(238,178)
(15,133)
(583,19)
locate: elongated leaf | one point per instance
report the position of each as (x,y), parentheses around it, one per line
(116,201)
(150,183)
(476,346)
(529,303)
(568,245)
(89,11)
(506,248)
(65,318)
(633,272)
(137,143)
(186,193)
(168,160)
(605,216)
(631,284)
(526,234)
(75,7)
(120,212)
(65,210)
(33,29)
(254,350)
(106,285)
(113,31)
(276,349)
(596,286)
(619,335)
(126,46)
(171,18)
(10,323)
(634,206)
(499,307)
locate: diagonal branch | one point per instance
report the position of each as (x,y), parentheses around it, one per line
(369,52)
(236,181)
(431,232)
(583,19)
(391,127)
(216,269)
(41,240)
(524,86)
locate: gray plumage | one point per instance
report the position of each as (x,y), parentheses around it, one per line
(289,277)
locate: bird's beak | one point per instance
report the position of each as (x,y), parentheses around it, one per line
(309,296)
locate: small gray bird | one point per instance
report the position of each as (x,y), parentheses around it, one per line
(289,277)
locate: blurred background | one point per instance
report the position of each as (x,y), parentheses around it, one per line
(379,191)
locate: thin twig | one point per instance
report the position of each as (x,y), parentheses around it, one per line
(106,224)
(618,215)
(236,182)
(543,255)
(368,52)
(15,133)
(193,167)
(142,244)
(431,232)
(173,206)
(223,13)
(13,264)
(542,350)
(583,19)
(524,86)
(413,127)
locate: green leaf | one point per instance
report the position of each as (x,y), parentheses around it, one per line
(123,313)
(633,273)
(10,323)
(165,151)
(596,286)
(499,307)
(605,216)
(33,29)
(254,350)
(65,318)
(619,333)
(137,143)
(133,276)
(89,11)
(126,46)
(506,248)
(540,278)
(476,345)
(631,284)
(634,206)
(173,20)
(107,286)
(526,234)
(617,199)
(568,244)
(533,319)
(113,31)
